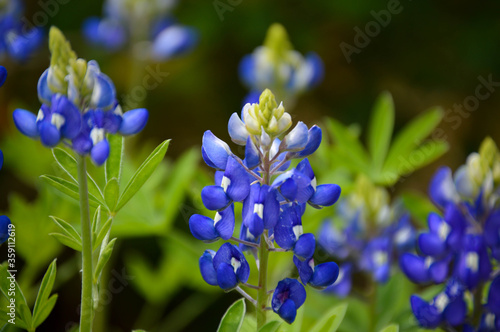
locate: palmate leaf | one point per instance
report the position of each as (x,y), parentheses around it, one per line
(69,189)
(114,163)
(233,318)
(380,129)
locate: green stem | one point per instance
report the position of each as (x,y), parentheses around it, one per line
(262,296)
(478,304)
(86,311)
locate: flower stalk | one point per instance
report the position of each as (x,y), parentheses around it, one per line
(86,311)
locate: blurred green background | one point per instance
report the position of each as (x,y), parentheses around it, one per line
(431,53)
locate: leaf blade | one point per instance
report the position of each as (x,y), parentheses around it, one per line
(380,129)
(233,318)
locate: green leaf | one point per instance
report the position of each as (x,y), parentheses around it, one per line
(349,145)
(111,193)
(103,259)
(67,241)
(391,328)
(419,206)
(45,311)
(69,189)
(23,317)
(43,294)
(233,318)
(102,233)
(142,174)
(331,320)
(96,222)
(70,167)
(113,165)
(412,136)
(271,326)
(68,229)
(380,129)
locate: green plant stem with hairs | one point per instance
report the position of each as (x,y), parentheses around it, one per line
(86,311)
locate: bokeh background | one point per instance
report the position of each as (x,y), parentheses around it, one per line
(430,54)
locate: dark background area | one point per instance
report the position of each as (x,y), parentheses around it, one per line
(431,53)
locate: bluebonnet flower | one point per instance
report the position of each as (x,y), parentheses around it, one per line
(79,106)
(226,268)
(372,235)
(4,228)
(288,296)
(160,37)
(277,66)
(3,75)
(463,241)
(342,286)
(273,199)
(16,40)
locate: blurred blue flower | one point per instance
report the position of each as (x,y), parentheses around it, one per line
(277,66)
(160,36)
(3,75)
(4,228)
(16,40)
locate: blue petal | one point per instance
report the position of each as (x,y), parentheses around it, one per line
(4,228)
(271,208)
(326,195)
(49,135)
(112,35)
(1,159)
(237,130)
(90,29)
(100,152)
(207,268)
(174,40)
(289,189)
(252,156)
(324,275)
(25,122)
(414,268)
(203,228)
(288,311)
(283,231)
(431,244)
(442,188)
(224,254)
(288,289)
(255,225)
(239,187)
(427,316)
(104,93)
(494,296)
(225,225)
(438,271)
(3,75)
(72,116)
(113,120)
(82,144)
(252,98)
(214,197)
(244,235)
(313,141)
(305,246)
(215,151)
(342,286)
(304,268)
(246,70)
(134,121)
(455,312)
(317,67)
(332,241)
(296,139)
(226,278)
(305,167)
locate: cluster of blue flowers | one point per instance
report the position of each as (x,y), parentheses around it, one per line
(277,66)
(462,246)
(160,37)
(373,234)
(79,106)
(273,198)
(17,40)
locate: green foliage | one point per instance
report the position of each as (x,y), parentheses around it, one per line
(384,163)
(419,206)
(391,328)
(43,305)
(233,318)
(70,236)
(272,326)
